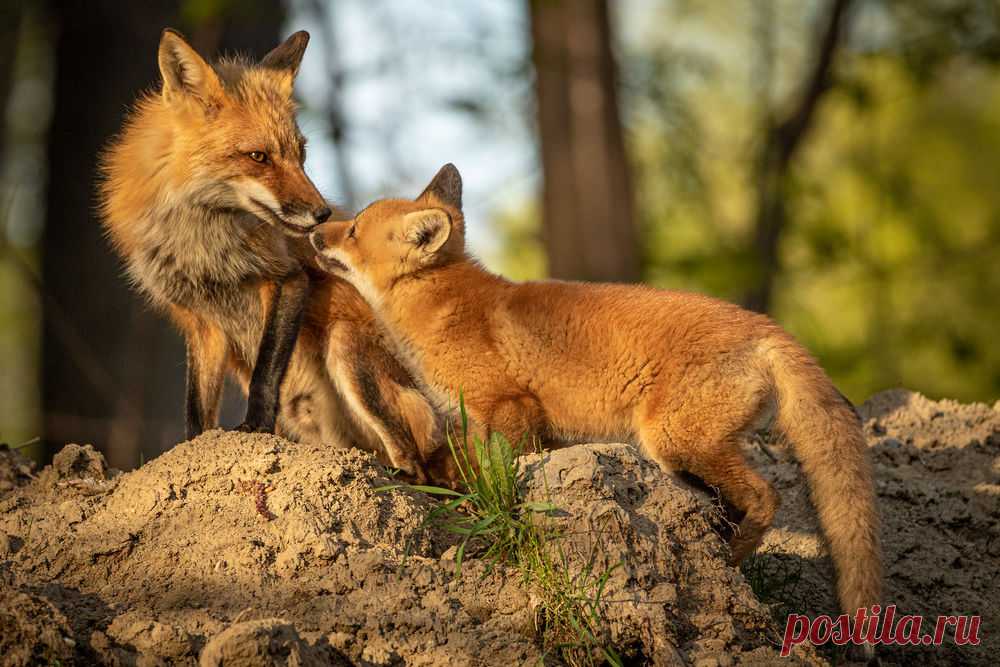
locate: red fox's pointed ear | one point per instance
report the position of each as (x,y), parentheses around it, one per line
(184,71)
(288,54)
(427,230)
(446,188)
(285,60)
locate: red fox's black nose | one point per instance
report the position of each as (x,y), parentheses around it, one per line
(321,215)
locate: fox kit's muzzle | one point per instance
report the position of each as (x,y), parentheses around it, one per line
(325,240)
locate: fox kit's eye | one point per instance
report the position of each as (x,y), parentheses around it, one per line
(258,156)
(350,232)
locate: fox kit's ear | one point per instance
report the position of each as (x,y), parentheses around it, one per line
(184,71)
(445,187)
(286,58)
(427,230)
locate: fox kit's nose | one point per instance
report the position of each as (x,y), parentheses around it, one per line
(323,214)
(316,238)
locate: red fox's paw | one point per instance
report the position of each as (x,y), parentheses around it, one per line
(254,427)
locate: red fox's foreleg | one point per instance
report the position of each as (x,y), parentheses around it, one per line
(284,316)
(207,353)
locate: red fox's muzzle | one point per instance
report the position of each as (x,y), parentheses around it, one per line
(284,196)
(306,207)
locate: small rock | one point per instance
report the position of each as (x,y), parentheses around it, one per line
(80,462)
(264,643)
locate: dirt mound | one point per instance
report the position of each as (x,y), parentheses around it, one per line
(247,549)
(231,528)
(270,641)
(242,549)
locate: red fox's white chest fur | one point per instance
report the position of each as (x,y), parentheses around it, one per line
(189,255)
(687,377)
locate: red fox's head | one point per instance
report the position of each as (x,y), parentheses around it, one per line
(234,141)
(395,237)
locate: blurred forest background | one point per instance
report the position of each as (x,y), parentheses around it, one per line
(835,163)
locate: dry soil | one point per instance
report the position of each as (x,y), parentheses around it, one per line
(240,549)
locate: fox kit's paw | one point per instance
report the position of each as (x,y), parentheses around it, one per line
(408,477)
(411,471)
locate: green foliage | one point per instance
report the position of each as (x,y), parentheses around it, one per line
(893,253)
(196,14)
(569,618)
(199,12)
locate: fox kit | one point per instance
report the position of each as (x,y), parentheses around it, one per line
(205,197)
(685,376)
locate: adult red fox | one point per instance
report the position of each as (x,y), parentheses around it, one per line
(205,197)
(685,376)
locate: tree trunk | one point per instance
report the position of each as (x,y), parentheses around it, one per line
(10,23)
(782,141)
(112,370)
(588,223)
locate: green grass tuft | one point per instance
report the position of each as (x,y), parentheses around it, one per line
(495,522)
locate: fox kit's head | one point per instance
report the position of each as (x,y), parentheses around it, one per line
(234,143)
(396,237)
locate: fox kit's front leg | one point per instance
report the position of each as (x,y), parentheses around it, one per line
(383,397)
(519,417)
(284,317)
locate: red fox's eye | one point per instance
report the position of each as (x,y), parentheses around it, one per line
(258,156)
(350,232)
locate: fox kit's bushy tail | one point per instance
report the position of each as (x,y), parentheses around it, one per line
(826,435)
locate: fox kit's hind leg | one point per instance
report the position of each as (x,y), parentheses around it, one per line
(717,459)
(383,398)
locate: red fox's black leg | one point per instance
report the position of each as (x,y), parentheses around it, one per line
(207,351)
(276,345)
(206,372)
(193,414)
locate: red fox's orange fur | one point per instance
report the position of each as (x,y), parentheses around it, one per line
(205,197)
(685,376)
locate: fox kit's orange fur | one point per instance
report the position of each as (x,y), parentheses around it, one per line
(686,376)
(205,197)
